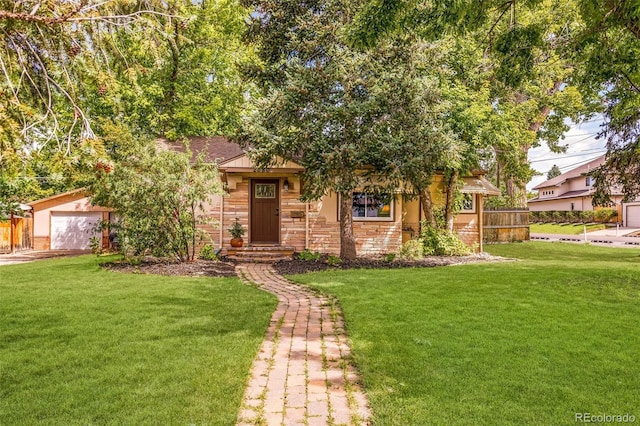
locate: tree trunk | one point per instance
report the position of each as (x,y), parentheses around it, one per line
(426,203)
(516,192)
(450,202)
(347,240)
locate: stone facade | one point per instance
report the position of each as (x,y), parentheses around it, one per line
(312,226)
(315,225)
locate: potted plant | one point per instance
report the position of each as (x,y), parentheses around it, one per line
(236,231)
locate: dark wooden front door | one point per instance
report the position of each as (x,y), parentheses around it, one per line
(265,211)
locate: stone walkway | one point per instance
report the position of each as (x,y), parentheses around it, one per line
(302,374)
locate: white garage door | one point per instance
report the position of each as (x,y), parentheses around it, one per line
(72,231)
(633,217)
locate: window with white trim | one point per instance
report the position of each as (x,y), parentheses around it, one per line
(372,207)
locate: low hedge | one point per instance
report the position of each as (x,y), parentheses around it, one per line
(604,215)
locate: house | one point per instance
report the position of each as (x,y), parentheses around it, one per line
(267,205)
(571,191)
(67,222)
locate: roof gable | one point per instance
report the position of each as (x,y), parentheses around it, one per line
(74,194)
(573,173)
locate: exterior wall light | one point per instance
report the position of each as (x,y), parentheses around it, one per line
(285,185)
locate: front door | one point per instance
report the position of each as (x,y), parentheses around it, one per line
(265,211)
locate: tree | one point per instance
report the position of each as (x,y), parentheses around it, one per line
(553,172)
(75,72)
(335,110)
(159,199)
(609,45)
(598,42)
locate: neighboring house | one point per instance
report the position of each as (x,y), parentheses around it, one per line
(267,205)
(571,191)
(67,222)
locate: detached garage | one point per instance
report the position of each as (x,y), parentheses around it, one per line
(67,222)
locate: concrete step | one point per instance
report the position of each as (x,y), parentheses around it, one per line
(262,254)
(250,259)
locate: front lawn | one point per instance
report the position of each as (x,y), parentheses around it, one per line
(567,228)
(80,345)
(534,341)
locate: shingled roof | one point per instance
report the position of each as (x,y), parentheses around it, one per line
(215,148)
(573,173)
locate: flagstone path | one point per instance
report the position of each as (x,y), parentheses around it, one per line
(302,374)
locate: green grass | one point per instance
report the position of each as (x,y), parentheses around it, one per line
(533,341)
(80,345)
(570,229)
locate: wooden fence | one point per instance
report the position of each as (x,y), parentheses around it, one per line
(16,234)
(505,225)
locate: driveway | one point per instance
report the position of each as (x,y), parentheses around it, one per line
(33,255)
(618,237)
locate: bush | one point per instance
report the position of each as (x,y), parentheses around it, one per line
(534,217)
(412,250)
(207,253)
(586,216)
(501,202)
(604,215)
(544,216)
(158,198)
(441,242)
(309,256)
(557,216)
(96,245)
(333,260)
(573,216)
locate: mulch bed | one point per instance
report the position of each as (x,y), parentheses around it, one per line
(225,268)
(198,268)
(297,266)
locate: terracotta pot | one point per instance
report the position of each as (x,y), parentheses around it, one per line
(236,242)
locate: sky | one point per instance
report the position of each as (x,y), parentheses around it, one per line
(582,148)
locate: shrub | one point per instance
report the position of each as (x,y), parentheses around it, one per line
(586,216)
(534,217)
(308,256)
(333,260)
(96,245)
(207,253)
(158,197)
(544,216)
(557,216)
(604,215)
(390,257)
(573,216)
(412,249)
(441,242)
(501,202)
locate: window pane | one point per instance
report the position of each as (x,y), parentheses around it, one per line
(371,206)
(467,202)
(265,190)
(359,204)
(378,206)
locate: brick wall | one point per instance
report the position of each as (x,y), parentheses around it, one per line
(371,237)
(324,229)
